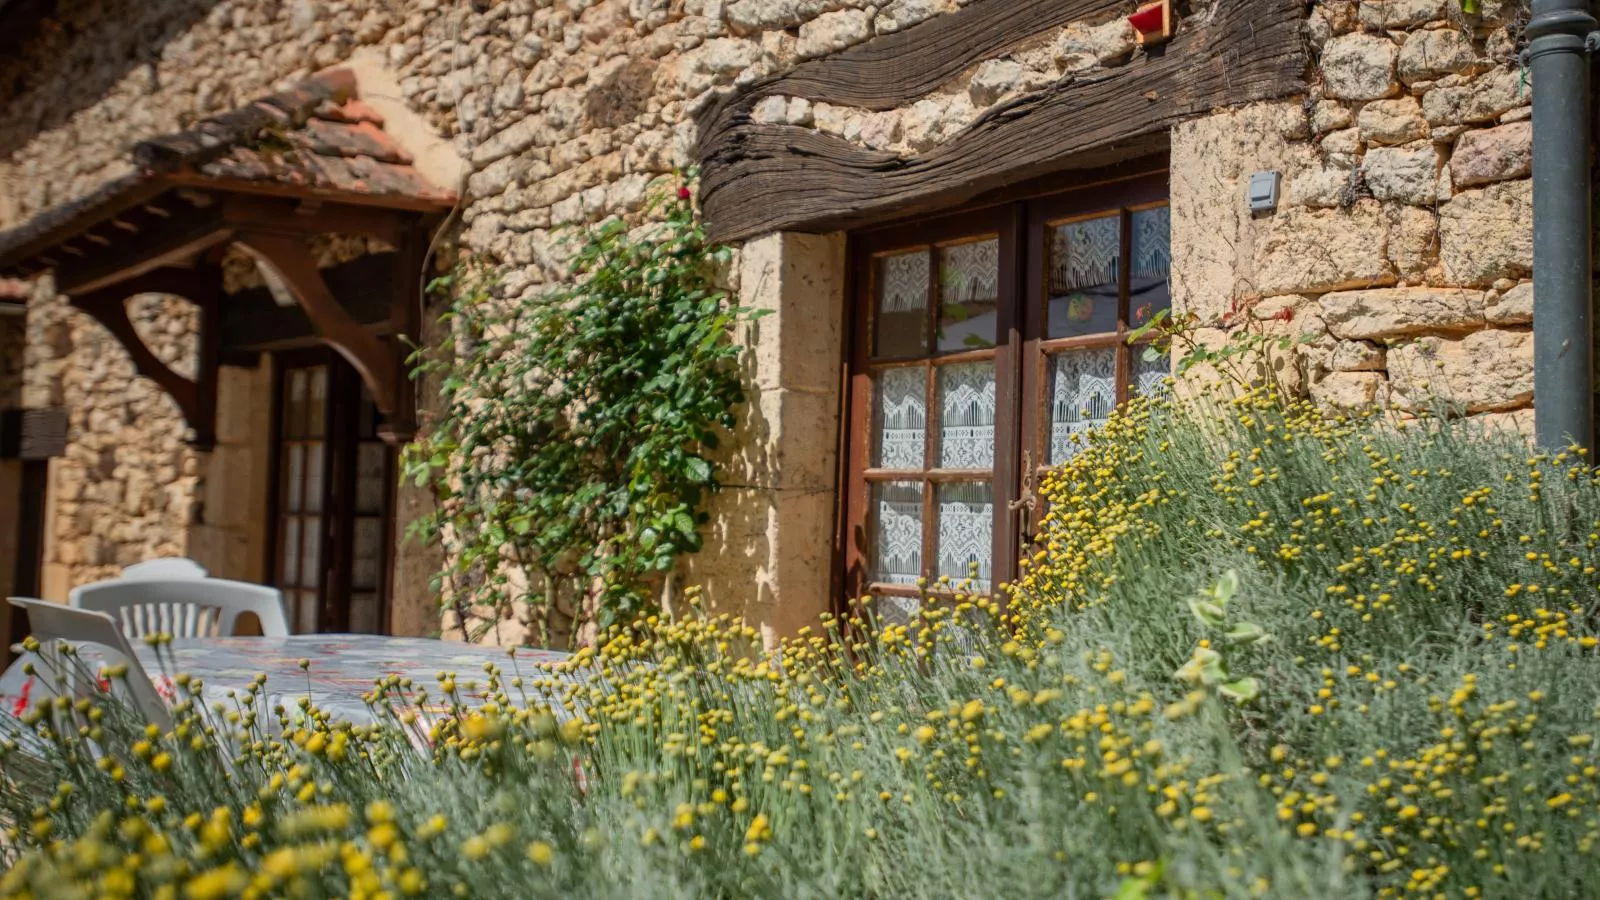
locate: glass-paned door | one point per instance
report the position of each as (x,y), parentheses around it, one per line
(334,515)
(925,509)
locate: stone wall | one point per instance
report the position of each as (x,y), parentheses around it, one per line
(1402,247)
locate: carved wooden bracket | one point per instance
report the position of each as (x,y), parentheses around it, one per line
(197,397)
(380,364)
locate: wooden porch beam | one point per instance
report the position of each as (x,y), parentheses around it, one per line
(265,214)
(163,244)
(252,320)
(196,397)
(372,358)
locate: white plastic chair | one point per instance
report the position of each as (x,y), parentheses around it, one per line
(166,567)
(52,623)
(183,607)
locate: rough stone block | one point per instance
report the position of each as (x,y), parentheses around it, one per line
(1487,233)
(1385,14)
(1481,99)
(833,31)
(1413,241)
(1307,251)
(1392,312)
(1486,370)
(994,79)
(1397,121)
(1435,53)
(1359,66)
(1330,115)
(1493,154)
(1081,47)
(899,14)
(1347,390)
(1342,148)
(1510,307)
(1356,356)
(1406,174)
(1319,186)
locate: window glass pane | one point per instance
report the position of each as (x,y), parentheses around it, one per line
(291,553)
(310,551)
(306,613)
(897,532)
(1083,265)
(314,470)
(969,287)
(902,414)
(294,477)
(966,416)
(368,557)
(1083,391)
(1148,291)
(966,533)
(370,478)
(364,613)
(318,404)
(294,404)
(1149,376)
(897,610)
(901,326)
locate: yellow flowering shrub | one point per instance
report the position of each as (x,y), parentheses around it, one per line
(1254,651)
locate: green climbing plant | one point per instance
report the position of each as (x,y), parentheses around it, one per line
(572,460)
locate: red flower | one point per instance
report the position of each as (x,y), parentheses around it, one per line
(683,193)
(21,706)
(579,777)
(1285,314)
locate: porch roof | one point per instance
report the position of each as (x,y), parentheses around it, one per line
(268,179)
(314,141)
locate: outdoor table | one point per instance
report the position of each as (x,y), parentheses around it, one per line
(342,668)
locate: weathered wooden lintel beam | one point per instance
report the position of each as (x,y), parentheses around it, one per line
(758,178)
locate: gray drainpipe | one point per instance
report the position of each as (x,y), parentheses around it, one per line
(1560,35)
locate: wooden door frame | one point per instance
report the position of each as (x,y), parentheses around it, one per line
(342,442)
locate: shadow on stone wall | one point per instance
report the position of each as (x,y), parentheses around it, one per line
(54,67)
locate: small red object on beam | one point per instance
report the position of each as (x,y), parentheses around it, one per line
(1152,23)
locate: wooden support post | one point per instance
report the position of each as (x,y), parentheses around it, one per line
(370,357)
(405,324)
(197,397)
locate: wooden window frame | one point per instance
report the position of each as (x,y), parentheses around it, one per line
(1021,355)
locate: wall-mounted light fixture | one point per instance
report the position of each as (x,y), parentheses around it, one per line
(1152,22)
(1264,191)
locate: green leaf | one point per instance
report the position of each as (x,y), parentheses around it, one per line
(698,470)
(1209,613)
(1245,633)
(1242,690)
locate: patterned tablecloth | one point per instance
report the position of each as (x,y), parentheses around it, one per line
(342,668)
